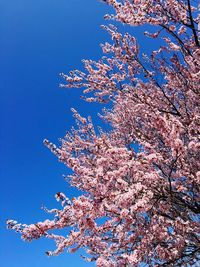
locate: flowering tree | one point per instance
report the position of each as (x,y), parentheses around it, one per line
(140,179)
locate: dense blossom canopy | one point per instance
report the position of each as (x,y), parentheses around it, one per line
(141,178)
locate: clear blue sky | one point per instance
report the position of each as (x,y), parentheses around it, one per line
(39,39)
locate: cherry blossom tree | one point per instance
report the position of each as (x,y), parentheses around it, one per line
(140,180)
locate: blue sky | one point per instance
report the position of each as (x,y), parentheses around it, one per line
(39,39)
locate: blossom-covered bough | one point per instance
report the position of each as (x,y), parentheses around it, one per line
(142,177)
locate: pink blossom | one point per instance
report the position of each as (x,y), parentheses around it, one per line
(139,180)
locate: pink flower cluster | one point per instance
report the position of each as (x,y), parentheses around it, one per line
(141,179)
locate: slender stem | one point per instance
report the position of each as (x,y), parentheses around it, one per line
(192,24)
